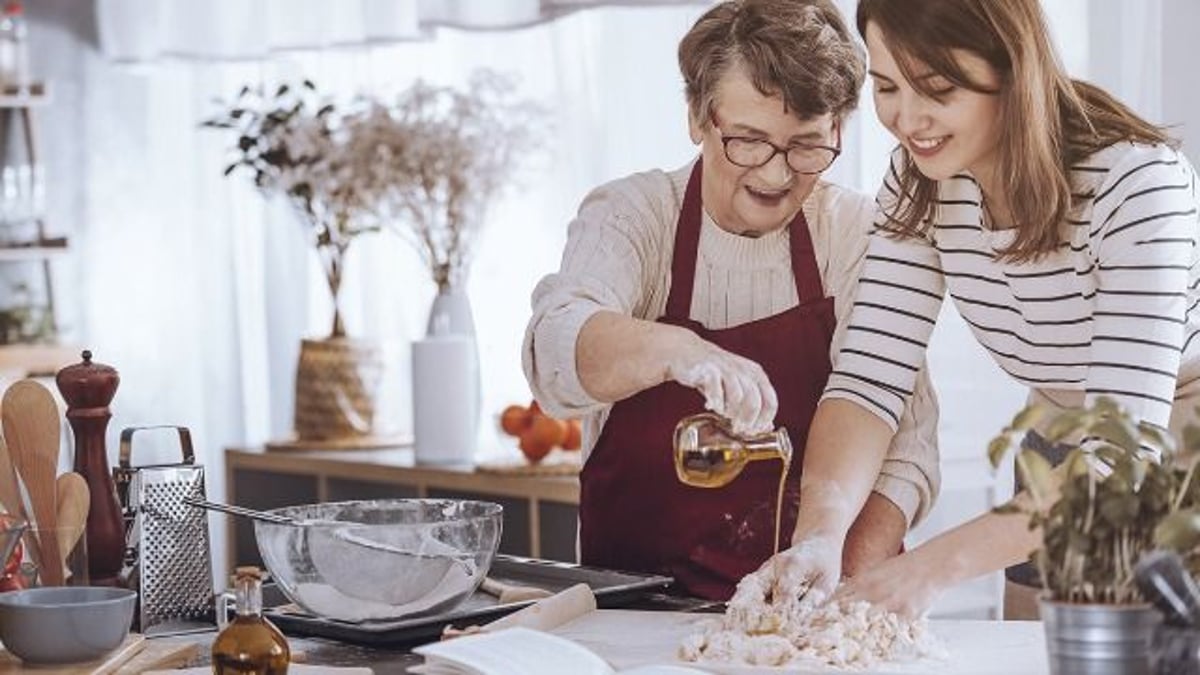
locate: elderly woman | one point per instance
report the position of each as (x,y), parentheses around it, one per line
(724,285)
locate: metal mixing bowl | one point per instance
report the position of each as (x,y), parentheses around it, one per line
(380,559)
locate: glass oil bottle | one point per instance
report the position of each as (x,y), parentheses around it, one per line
(248,644)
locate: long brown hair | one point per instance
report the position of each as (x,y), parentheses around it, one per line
(799,50)
(1050,121)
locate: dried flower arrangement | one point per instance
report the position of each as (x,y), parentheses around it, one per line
(442,155)
(1129,489)
(425,166)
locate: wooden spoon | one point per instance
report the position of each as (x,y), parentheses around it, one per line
(33,430)
(13,503)
(71,491)
(10,492)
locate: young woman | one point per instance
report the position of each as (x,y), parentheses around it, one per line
(722,284)
(1064,229)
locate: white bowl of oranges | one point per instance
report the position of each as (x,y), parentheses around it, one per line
(537,433)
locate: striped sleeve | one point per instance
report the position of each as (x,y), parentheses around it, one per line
(1143,239)
(898,298)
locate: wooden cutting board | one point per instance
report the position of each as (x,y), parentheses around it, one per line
(134,643)
(628,638)
(162,654)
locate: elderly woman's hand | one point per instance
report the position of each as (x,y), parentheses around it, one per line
(732,385)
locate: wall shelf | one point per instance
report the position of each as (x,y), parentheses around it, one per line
(36,96)
(31,360)
(51,248)
(19,148)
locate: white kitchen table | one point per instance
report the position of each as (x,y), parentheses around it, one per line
(627,638)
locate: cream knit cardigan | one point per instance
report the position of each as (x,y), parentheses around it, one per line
(618,258)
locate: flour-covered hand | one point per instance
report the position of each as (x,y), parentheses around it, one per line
(810,564)
(733,386)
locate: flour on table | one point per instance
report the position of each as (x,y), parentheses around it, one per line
(807,629)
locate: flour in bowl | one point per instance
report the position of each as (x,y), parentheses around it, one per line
(794,630)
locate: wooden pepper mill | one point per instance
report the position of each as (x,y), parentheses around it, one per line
(88,388)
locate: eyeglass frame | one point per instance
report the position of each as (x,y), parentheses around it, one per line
(775,149)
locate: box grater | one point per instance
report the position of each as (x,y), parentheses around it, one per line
(167,557)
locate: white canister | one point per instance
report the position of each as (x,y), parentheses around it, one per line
(445,423)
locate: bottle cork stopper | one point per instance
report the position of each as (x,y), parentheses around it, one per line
(247,571)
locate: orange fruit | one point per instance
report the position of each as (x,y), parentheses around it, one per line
(574,437)
(535,409)
(515,419)
(548,430)
(534,447)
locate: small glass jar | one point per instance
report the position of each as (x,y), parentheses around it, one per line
(249,644)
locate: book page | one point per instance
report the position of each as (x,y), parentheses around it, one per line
(663,670)
(512,651)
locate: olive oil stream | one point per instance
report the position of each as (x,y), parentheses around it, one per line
(708,455)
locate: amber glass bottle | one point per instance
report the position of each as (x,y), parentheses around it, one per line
(249,644)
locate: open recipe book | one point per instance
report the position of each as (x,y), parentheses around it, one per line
(523,651)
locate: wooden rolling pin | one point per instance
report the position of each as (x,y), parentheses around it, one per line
(508,593)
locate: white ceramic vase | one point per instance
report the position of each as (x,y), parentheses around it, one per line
(452,305)
(446,383)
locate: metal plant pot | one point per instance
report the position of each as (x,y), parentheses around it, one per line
(1085,639)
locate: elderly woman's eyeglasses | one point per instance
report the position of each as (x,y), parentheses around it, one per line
(749,152)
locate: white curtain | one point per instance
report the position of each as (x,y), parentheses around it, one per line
(148,30)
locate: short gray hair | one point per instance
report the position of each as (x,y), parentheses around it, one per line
(799,50)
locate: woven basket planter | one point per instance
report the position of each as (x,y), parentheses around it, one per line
(337,385)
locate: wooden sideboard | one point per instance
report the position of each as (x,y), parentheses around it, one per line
(540,512)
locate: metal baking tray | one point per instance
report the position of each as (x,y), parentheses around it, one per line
(612,589)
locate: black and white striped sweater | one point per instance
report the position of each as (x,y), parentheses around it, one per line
(1112,312)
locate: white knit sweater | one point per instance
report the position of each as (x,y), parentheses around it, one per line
(618,258)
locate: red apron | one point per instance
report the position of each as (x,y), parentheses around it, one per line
(634,513)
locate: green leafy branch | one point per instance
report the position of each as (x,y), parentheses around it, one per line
(1123,489)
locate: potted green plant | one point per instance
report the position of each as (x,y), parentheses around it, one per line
(296,144)
(1125,488)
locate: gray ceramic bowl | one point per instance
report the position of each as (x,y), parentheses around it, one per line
(65,625)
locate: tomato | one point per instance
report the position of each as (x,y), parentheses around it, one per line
(13,582)
(14,561)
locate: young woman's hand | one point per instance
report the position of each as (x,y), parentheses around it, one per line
(905,585)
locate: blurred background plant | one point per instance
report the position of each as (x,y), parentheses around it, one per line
(25,321)
(1125,488)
